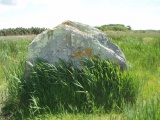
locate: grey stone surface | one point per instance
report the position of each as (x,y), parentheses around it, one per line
(71,42)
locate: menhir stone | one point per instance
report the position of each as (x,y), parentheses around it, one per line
(71,42)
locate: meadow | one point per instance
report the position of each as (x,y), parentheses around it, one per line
(140,83)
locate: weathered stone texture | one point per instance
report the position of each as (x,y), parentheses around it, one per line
(72,41)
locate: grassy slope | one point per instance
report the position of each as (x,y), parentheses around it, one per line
(142,52)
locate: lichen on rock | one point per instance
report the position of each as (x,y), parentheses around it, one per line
(71,42)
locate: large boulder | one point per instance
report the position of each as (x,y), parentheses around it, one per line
(71,42)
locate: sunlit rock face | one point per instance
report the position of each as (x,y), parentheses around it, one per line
(71,42)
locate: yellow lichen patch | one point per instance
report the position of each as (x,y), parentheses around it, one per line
(88,51)
(79,54)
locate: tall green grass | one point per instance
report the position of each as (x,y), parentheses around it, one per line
(12,51)
(144,110)
(142,53)
(99,87)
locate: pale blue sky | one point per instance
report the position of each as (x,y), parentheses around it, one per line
(139,14)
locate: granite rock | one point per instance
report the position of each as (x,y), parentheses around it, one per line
(71,42)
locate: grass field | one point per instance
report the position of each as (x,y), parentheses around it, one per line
(142,51)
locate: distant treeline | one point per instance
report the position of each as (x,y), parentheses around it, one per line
(36,30)
(21,31)
(114,27)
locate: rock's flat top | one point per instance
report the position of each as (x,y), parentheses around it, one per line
(72,41)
